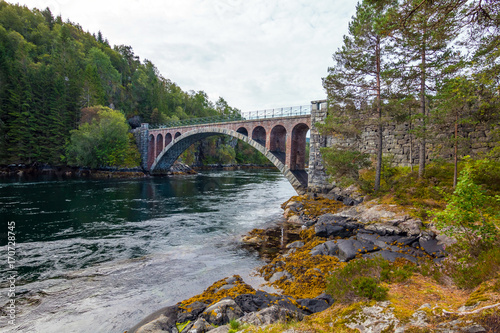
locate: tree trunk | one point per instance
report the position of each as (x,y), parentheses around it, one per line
(455,171)
(422,151)
(378,171)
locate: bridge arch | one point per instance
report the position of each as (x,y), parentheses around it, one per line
(168,139)
(151,149)
(174,149)
(259,135)
(298,146)
(242,130)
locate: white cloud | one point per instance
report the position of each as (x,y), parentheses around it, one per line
(256,54)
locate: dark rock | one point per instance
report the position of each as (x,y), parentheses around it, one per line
(260,300)
(331,248)
(390,256)
(314,305)
(349,248)
(326,230)
(327,298)
(330,225)
(431,246)
(192,312)
(222,312)
(318,250)
(134,122)
(327,248)
(350,201)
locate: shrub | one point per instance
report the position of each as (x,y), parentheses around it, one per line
(361,278)
(343,165)
(369,287)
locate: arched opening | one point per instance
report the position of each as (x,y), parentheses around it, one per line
(278,142)
(242,130)
(259,135)
(168,139)
(298,148)
(178,134)
(151,150)
(168,156)
(159,144)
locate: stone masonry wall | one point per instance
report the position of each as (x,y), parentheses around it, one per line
(403,147)
(318,180)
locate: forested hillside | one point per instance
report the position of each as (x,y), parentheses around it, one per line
(51,69)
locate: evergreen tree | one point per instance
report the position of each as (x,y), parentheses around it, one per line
(356,83)
(426,32)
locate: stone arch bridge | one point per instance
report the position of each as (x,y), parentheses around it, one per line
(278,135)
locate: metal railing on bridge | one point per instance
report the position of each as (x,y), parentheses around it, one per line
(290,111)
(245,115)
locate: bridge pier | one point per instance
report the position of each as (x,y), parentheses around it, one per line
(318,180)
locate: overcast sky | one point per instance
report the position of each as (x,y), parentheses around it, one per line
(256,54)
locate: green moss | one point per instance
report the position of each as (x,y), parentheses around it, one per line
(181,326)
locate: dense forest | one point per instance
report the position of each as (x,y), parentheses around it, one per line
(51,70)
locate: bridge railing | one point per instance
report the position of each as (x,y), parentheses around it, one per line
(245,115)
(278,112)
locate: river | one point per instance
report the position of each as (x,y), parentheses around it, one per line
(100,255)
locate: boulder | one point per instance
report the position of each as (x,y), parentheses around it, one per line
(280,275)
(295,245)
(349,248)
(271,315)
(191,312)
(384,229)
(161,321)
(314,305)
(261,300)
(332,225)
(327,298)
(432,247)
(222,312)
(199,326)
(411,227)
(328,248)
(295,219)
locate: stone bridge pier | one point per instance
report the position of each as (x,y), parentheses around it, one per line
(282,139)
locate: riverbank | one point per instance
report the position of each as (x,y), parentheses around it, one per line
(69,172)
(319,237)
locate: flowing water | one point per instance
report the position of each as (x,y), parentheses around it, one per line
(100,255)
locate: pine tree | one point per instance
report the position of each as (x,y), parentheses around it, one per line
(426,31)
(356,82)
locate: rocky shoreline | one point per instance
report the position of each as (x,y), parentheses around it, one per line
(318,234)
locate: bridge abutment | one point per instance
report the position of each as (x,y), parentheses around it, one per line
(318,180)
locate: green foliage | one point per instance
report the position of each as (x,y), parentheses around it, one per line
(368,287)
(468,270)
(104,141)
(343,165)
(362,277)
(469,213)
(51,69)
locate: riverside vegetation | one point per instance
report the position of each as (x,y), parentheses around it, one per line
(383,265)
